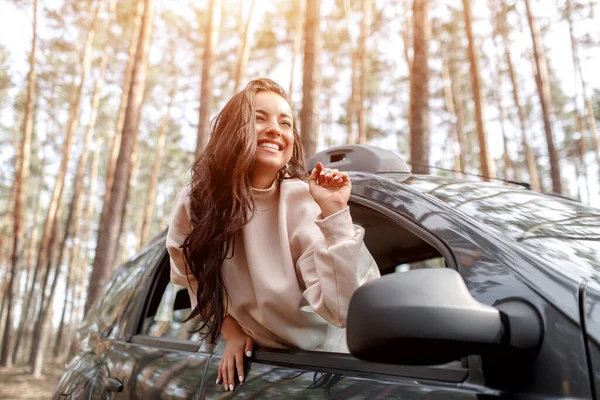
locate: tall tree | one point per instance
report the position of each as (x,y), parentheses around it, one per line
(211,39)
(363,55)
(486,163)
(516,95)
(298,18)
(354,76)
(419,89)
(453,130)
(244,50)
(38,344)
(116,139)
(29,262)
(160,144)
(21,177)
(81,262)
(579,74)
(76,205)
(543,89)
(311,80)
(108,232)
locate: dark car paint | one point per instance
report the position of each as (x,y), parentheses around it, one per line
(591,313)
(493,269)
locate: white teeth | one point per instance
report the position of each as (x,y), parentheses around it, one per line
(269,145)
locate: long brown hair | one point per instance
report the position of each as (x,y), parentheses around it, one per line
(221,201)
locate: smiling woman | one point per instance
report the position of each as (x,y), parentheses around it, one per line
(267,255)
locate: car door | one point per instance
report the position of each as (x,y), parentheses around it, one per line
(160,358)
(495,267)
(306,374)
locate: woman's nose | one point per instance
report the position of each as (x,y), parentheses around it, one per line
(274,129)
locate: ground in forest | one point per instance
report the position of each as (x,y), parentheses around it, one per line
(18,384)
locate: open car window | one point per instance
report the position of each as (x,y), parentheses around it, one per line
(164,319)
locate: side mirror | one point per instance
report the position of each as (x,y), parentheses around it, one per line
(428,317)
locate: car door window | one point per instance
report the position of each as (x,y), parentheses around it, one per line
(397,245)
(166,312)
(117,295)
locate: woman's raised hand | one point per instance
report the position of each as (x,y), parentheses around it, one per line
(237,345)
(330,189)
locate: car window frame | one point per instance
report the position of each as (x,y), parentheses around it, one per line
(135,326)
(346,362)
(312,360)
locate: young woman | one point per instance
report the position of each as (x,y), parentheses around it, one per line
(266,256)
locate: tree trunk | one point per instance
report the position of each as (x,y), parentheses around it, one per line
(116,142)
(81,262)
(543,88)
(419,89)
(39,343)
(508,165)
(311,79)
(353,100)
(108,232)
(296,48)
(354,77)
(29,288)
(486,163)
(208,68)
(365,28)
(243,51)
(448,96)
(76,208)
(22,175)
(529,157)
(579,73)
(160,144)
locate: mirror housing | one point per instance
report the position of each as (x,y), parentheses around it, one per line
(428,317)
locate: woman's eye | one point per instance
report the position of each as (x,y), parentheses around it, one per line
(259,118)
(289,124)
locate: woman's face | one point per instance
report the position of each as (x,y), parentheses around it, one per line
(275,134)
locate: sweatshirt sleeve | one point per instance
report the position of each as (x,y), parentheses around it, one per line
(179,228)
(334,264)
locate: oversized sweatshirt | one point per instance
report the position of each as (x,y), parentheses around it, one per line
(292,273)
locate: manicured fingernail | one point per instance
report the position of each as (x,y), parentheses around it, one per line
(248,353)
(217,381)
(241,378)
(231,387)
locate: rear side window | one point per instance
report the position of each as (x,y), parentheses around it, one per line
(118,293)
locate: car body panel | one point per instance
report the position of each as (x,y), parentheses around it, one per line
(495,269)
(268,381)
(591,313)
(149,372)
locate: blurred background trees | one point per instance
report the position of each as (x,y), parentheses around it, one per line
(104,110)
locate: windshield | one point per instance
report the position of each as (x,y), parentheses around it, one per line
(554,228)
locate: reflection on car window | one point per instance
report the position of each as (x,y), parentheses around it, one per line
(436,262)
(168,322)
(552,227)
(119,291)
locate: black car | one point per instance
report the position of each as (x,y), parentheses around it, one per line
(487,291)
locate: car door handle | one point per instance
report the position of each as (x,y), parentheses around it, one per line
(114,385)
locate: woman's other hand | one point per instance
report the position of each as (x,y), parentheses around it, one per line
(330,189)
(237,345)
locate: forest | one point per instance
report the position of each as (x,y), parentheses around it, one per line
(107,103)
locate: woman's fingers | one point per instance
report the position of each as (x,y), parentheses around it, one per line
(249,347)
(231,374)
(219,375)
(224,373)
(239,363)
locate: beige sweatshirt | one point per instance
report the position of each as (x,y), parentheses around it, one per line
(293,272)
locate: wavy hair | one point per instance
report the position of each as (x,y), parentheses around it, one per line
(221,201)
